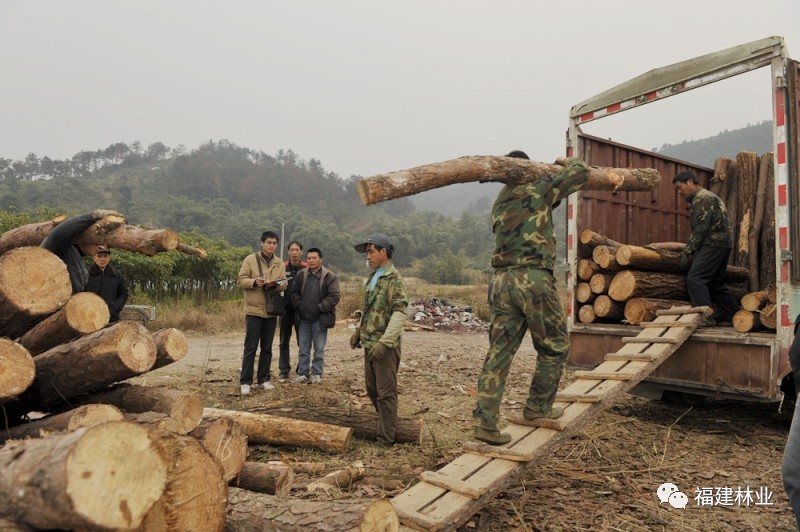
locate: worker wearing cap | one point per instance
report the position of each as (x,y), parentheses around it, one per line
(523,297)
(107,282)
(379,330)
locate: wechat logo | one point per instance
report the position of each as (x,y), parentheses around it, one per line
(669,492)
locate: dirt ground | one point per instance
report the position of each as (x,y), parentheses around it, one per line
(605,478)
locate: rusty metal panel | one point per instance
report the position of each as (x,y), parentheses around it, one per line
(793,148)
(637,218)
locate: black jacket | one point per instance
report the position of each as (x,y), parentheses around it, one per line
(110,285)
(59,241)
(328,294)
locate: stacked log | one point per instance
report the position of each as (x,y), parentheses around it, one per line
(16,370)
(83,416)
(83,313)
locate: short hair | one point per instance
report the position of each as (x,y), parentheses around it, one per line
(314,250)
(685,176)
(269,234)
(519,154)
(389,250)
(293,242)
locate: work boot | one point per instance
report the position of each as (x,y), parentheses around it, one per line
(708,322)
(492,437)
(543,411)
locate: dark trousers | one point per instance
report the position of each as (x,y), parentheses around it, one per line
(380,377)
(257,331)
(705,282)
(288,322)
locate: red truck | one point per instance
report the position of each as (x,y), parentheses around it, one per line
(719,361)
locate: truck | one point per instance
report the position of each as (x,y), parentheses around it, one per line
(717,361)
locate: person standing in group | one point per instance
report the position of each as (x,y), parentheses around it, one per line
(288,320)
(107,282)
(383,314)
(523,296)
(707,251)
(260,272)
(314,296)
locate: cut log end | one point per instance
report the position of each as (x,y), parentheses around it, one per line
(17,369)
(224,439)
(171,346)
(34,279)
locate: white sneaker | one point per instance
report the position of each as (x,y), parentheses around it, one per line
(245,389)
(316,379)
(267,386)
(300,379)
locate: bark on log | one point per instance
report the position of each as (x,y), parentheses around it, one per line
(131,238)
(193,251)
(772,292)
(33,284)
(277,430)
(722,168)
(731,200)
(586,314)
(17,370)
(747,321)
(510,170)
(747,171)
(583,293)
(364,424)
(10,526)
(769,316)
(765,163)
(225,440)
(676,247)
(157,420)
(256,511)
(668,262)
(308,468)
(171,346)
(83,313)
(768,270)
(82,416)
(638,309)
(274,478)
(195,496)
(608,309)
(592,239)
(606,257)
(107,476)
(184,407)
(629,284)
(755,300)
(599,283)
(90,363)
(587,268)
(27,235)
(341,478)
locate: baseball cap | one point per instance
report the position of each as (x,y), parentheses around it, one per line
(378,240)
(102,248)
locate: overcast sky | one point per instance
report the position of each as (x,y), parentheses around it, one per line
(364,86)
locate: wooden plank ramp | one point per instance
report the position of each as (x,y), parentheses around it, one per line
(446,499)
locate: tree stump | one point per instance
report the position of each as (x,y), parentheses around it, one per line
(80,417)
(224,439)
(83,313)
(17,370)
(273,478)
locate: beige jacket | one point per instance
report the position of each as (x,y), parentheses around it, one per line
(254,301)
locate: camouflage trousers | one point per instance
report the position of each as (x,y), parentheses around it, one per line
(521,300)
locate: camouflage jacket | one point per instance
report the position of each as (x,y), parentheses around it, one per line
(709,220)
(388,296)
(522,218)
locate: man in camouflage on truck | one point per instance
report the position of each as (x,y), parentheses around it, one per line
(378,332)
(707,251)
(523,296)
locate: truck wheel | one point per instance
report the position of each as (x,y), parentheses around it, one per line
(135,314)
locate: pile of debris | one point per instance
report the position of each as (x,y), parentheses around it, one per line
(440,315)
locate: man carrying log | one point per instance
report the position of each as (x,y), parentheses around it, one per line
(523,296)
(707,251)
(378,332)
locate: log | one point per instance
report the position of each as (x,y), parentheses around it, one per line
(676,247)
(592,239)
(224,439)
(34,283)
(256,511)
(768,269)
(89,363)
(628,284)
(83,313)
(364,424)
(731,199)
(605,257)
(747,172)
(722,168)
(278,430)
(608,309)
(171,346)
(769,316)
(755,300)
(638,309)
(587,268)
(508,170)
(17,370)
(586,314)
(772,292)
(747,321)
(184,407)
(341,478)
(643,258)
(195,496)
(27,235)
(157,420)
(193,251)
(82,416)
(274,478)
(130,238)
(583,293)
(308,468)
(10,526)
(765,164)
(599,283)
(103,477)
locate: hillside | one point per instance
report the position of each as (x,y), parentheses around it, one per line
(757,138)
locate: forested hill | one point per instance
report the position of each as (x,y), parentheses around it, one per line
(757,138)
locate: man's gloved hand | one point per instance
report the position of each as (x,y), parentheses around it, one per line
(686,261)
(379,351)
(355,339)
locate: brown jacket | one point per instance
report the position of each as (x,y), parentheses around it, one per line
(254,300)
